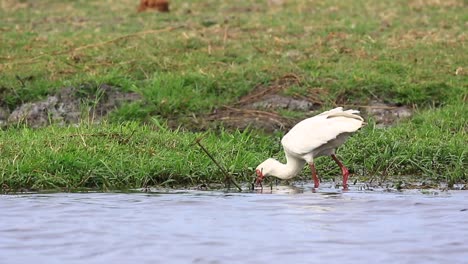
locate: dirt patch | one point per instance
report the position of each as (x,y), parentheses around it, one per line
(70,105)
(259,109)
(386,115)
(263,108)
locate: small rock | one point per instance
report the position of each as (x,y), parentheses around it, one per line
(281,102)
(385,114)
(35,114)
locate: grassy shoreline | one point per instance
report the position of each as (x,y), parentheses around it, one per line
(131,155)
(207,54)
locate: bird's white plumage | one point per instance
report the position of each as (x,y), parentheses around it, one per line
(316,132)
(313,137)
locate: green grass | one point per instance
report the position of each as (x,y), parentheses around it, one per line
(132,155)
(400,53)
(120,156)
(204,54)
(432,145)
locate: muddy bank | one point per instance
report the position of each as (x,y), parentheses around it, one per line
(263,108)
(70,105)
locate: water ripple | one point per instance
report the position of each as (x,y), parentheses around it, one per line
(284,225)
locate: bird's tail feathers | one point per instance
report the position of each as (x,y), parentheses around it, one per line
(346,114)
(352,111)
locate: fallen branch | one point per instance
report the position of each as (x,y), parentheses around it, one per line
(227,176)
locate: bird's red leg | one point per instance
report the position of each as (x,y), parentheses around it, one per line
(260,176)
(344,170)
(314,175)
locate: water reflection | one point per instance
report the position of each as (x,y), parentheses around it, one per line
(286,224)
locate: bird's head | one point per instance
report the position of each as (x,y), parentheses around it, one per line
(264,169)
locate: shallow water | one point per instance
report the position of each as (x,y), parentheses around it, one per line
(286,225)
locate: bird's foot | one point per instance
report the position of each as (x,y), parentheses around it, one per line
(258,181)
(257,185)
(316,181)
(345,178)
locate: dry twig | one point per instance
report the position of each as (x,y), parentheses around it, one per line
(93,45)
(227,176)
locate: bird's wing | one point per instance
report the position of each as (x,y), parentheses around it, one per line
(316,131)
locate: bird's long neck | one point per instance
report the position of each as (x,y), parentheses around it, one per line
(286,171)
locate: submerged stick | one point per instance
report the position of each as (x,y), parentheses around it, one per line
(227,176)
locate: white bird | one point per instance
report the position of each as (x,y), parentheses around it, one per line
(313,137)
